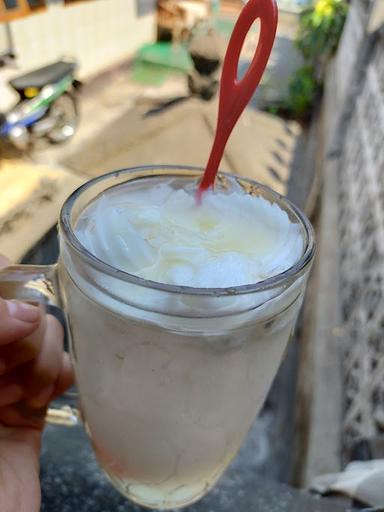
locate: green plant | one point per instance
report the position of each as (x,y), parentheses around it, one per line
(320,28)
(303,89)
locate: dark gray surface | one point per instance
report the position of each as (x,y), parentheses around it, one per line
(73,482)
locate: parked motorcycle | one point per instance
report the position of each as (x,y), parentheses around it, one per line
(47,107)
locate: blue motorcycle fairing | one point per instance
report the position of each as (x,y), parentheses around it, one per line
(25,122)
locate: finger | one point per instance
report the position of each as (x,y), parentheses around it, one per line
(63,382)
(11,391)
(17,320)
(22,351)
(20,415)
(45,368)
(11,384)
(35,383)
(23,440)
(32,414)
(66,377)
(42,399)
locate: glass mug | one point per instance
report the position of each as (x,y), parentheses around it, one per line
(170,377)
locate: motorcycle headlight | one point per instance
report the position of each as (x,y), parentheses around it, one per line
(31,92)
(22,111)
(47,92)
(13,117)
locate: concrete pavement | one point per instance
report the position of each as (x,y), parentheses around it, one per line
(31,197)
(261,146)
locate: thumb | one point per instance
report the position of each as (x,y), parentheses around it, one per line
(17,320)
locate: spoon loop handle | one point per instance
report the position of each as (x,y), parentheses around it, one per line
(235,94)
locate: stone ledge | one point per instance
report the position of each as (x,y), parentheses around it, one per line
(31,197)
(320,386)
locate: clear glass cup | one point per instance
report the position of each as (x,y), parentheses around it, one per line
(170,377)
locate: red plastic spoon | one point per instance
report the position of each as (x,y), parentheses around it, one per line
(235,94)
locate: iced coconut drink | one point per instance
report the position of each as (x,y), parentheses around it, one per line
(179,319)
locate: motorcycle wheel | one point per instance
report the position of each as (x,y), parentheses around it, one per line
(64,109)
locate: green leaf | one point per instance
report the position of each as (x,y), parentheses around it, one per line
(320,30)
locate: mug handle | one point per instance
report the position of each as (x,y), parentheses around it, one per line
(38,284)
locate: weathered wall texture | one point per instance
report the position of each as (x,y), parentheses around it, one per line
(97,33)
(361,225)
(346,326)
(362,254)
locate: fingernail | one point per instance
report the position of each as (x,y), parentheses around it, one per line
(10,394)
(23,311)
(42,398)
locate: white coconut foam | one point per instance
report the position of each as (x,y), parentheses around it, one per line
(162,234)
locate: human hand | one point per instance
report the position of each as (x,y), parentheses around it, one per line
(33,370)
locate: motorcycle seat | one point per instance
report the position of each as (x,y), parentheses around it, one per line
(43,76)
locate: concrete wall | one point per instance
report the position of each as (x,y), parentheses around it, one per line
(351,40)
(361,222)
(4,42)
(347,329)
(97,33)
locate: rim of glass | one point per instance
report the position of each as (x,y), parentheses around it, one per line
(94,261)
